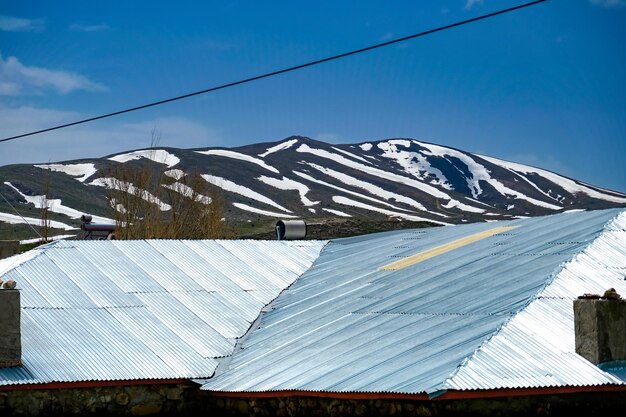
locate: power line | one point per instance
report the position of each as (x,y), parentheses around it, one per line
(282,71)
(16,212)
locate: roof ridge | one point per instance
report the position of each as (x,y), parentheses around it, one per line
(9,264)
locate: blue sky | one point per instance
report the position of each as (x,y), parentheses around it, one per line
(545,86)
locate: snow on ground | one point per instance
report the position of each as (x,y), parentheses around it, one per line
(480,173)
(504,190)
(457,204)
(232,187)
(157,155)
(50,238)
(479,202)
(413,163)
(83,171)
(558,199)
(379,173)
(240,156)
(366,146)
(370,188)
(565,183)
(351,155)
(55,206)
(337,212)
(114,183)
(349,202)
(263,212)
(346,191)
(312,210)
(187,191)
(177,174)
(119,207)
(281,146)
(289,184)
(13,219)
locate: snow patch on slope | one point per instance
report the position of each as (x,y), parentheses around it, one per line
(56,206)
(371,188)
(251,209)
(374,171)
(177,174)
(565,183)
(82,171)
(188,192)
(232,187)
(351,155)
(13,219)
(414,163)
(115,184)
(160,156)
(344,190)
(480,173)
(387,175)
(239,156)
(281,146)
(289,184)
(349,202)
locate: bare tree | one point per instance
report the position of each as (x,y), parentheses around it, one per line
(44,209)
(156,206)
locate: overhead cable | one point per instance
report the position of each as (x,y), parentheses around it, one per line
(282,71)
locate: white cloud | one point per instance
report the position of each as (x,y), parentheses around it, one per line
(88,28)
(16,24)
(608,3)
(329,137)
(471,3)
(17,78)
(91,140)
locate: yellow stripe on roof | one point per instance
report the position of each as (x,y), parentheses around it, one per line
(431,253)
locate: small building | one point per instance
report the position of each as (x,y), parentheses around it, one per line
(476,318)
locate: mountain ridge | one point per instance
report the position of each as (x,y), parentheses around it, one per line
(298,177)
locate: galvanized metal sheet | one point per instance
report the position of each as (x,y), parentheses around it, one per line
(467,319)
(129,310)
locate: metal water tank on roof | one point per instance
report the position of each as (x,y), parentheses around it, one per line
(290,229)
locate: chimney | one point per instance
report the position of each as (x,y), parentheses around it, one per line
(10,333)
(600,327)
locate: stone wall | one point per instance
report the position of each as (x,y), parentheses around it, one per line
(611,403)
(134,400)
(186,399)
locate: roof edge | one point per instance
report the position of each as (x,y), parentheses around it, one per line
(446,396)
(92,384)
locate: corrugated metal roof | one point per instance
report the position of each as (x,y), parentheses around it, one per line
(131,310)
(496,313)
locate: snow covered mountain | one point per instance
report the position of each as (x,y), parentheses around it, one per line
(299,177)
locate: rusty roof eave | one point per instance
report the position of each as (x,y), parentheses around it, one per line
(446,396)
(92,384)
